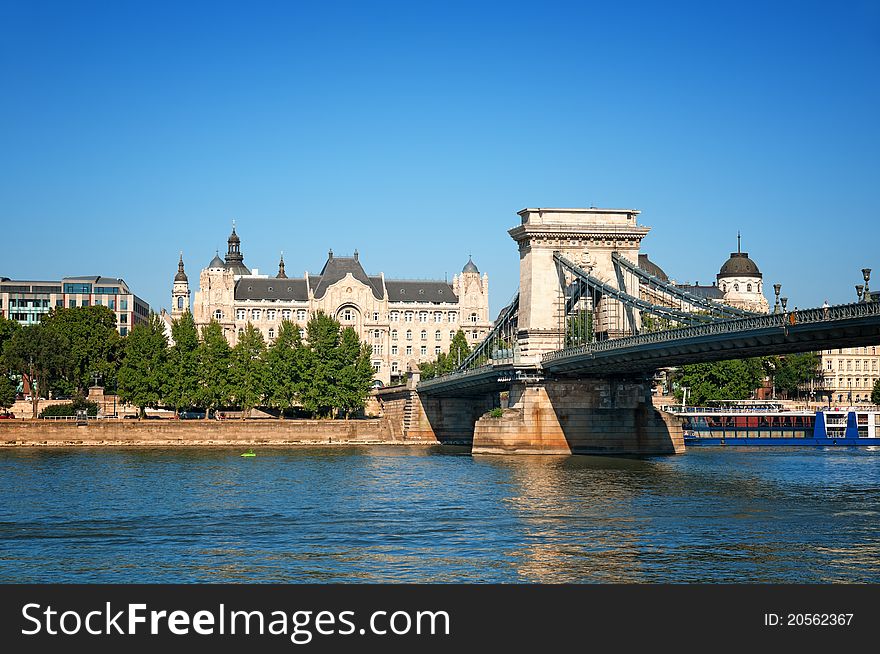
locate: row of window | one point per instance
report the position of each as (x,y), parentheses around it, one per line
(849,365)
(855,350)
(71,303)
(736,288)
(849,382)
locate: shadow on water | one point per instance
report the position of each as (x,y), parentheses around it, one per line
(436,514)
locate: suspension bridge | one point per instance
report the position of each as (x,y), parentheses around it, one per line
(568,363)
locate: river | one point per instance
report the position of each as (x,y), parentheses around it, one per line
(429,514)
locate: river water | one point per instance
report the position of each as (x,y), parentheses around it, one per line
(422,514)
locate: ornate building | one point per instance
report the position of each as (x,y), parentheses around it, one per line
(741,282)
(405,322)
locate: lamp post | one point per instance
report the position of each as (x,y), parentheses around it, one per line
(859,289)
(866,274)
(784,301)
(776,289)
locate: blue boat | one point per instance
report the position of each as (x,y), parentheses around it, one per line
(774,426)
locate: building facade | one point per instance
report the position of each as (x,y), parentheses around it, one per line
(849,375)
(405,322)
(28,301)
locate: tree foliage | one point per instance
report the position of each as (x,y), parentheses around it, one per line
(721,380)
(40,355)
(446,362)
(214,359)
(875,393)
(7,391)
(143,367)
(355,375)
(287,363)
(248,378)
(182,368)
(93,345)
(793,371)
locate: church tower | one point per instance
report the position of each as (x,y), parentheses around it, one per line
(180,292)
(473,295)
(742,282)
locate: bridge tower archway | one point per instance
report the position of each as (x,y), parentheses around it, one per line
(588,237)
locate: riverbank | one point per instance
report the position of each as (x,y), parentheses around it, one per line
(173,433)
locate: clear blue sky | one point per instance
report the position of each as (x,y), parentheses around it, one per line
(414,131)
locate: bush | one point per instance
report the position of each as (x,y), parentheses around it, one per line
(69,410)
(496,413)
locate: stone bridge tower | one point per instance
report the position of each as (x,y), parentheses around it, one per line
(587,237)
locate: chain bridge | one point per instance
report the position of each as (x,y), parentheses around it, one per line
(568,363)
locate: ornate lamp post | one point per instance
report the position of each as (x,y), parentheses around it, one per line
(866,274)
(776,289)
(859,289)
(784,301)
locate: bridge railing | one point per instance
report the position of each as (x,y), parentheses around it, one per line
(782,320)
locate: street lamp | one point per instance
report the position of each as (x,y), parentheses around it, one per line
(784,301)
(776,288)
(859,289)
(866,274)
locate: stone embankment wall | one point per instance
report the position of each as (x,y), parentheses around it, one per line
(194,432)
(580,417)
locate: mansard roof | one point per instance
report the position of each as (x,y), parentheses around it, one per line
(337,268)
(254,288)
(401,290)
(711,292)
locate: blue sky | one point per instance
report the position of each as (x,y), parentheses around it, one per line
(413,132)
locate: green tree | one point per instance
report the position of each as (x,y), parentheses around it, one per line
(322,336)
(447,362)
(214,355)
(355,376)
(94,344)
(288,360)
(721,380)
(7,392)
(141,373)
(793,371)
(249,370)
(7,330)
(182,369)
(40,355)
(875,393)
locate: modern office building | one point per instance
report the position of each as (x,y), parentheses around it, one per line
(28,301)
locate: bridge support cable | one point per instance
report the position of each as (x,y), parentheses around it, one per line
(607,290)
(499,346)
(674,291)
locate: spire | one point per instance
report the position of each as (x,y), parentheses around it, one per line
(281,273)
(181,275)
(738,243)
(234,257)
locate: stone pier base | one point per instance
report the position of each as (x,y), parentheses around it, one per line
(593,416)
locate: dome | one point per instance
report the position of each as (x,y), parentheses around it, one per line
(233,237)
(650,267)
(181,275)
(217,262)
(470,267)
(739,265)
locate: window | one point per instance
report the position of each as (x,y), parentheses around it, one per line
(302,334)
(848,365)
(255,314)
(423,316)
(271,333)
(377,334)
(736,287)
(473,317)
(409,350)
(111,303)
(86,303)
(375,316)
(71,304)
(858,365)
(240,314)
(474,334)
(437,335)
(271,315)
(59,304)
(98,302)
(123,331)
(377,366)
(451,334)
(395,316)
(409,334)
(123,317)
(437,350)
(424,334)
(724,288)
(393,334)
(377,349)
(408,316)
(453,316)
(123,305)
(394,367)
(348,315)
(749,288)
(424,350)
(78,289)
(285,314)
(393,349)
(438,316)
(218,315)
(830,365)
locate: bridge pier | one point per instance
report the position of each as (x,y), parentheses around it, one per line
(588,416)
